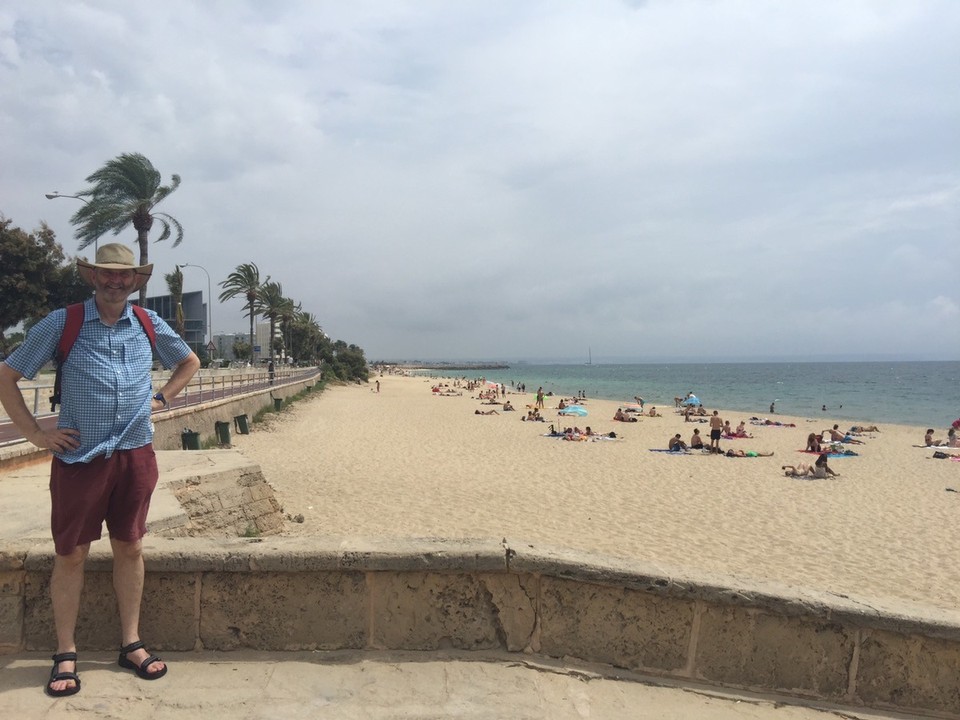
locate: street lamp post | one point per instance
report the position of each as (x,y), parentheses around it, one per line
(54,195)
(209,297)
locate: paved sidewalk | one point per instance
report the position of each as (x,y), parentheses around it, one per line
(372,686)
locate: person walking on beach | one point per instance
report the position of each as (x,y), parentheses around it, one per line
(104,466)
(540,397)
(716,430)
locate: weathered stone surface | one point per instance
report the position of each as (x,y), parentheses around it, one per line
(11,623)
(515,598)
(269,524)
(750,648)
(283,611)
(12,591)
(228,503)
(11,583)
(98,625)
(198,555)
(909,672)
(13,555)
(622,627)
(167,613)
(423,555)
(433,611)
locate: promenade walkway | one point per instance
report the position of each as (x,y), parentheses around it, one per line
(374,685)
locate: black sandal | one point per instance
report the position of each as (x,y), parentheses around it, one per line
(141,669)
(54,676)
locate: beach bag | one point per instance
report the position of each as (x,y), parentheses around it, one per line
(940,455)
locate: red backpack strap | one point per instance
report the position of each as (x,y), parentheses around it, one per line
(147,324)
(71,331)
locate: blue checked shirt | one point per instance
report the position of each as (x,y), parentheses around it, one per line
(106,379)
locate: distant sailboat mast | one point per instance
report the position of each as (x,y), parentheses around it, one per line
(589,356)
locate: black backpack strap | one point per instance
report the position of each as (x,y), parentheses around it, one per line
(71,331)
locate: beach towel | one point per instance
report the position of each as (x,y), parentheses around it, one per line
(845,453)
(770,423)
(671,452)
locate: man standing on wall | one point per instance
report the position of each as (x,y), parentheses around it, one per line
(104,466)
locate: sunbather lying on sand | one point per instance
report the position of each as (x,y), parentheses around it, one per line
(820,469)
(838,436)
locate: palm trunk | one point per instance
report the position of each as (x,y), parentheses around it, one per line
(144,244)
(251,334)
(273,327)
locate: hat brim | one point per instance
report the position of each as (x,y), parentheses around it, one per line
(88,269)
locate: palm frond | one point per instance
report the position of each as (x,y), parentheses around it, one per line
(125,188)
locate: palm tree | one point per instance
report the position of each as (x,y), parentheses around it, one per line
(272,305)
(245,281)
(306,335)
(287,314)
(126,190)
(175,285)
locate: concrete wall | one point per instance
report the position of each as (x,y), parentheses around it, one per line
(169,425)
(283,594)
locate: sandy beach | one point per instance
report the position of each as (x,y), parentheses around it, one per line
(407,463)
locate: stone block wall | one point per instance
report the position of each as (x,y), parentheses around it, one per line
(286,594)
(228,504)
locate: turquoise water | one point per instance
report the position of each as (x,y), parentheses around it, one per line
(907,393)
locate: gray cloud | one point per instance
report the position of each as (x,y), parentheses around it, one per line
(503,180)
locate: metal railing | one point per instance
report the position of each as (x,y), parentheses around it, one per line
(202,389)
(205,386)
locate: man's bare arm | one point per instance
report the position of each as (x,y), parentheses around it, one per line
(178,380)
(58,439)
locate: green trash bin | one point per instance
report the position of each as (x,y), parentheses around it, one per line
(240,423)
(223,432)
(189,439)
(277,403)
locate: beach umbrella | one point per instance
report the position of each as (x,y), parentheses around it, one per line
(577,410)
(692,400)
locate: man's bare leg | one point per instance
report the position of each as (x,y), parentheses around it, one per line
(128,587)
(66,584)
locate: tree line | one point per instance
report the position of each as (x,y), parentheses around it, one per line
(38,277)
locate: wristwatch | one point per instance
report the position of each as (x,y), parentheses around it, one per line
(161,398)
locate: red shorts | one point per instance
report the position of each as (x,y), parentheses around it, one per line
(116,489)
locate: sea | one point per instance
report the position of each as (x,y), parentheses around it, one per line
(923,394)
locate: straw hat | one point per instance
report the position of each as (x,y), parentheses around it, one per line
(114,256)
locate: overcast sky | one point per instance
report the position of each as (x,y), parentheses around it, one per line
(503,179)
